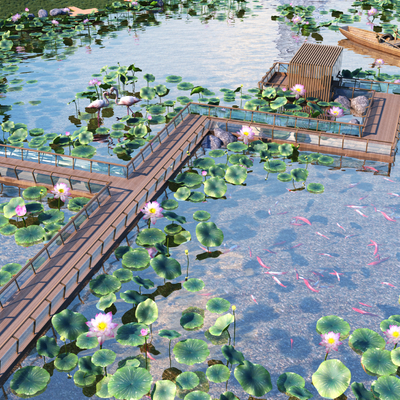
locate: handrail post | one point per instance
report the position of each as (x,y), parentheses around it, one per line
(366,147)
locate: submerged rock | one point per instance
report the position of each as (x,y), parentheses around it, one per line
(359,105)
(344,101)
(225,136)
(31,16)
(211,142)
(354,121)
(57,11)
(43,13)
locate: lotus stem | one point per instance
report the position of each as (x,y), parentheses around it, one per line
(293,183)
(167,248)
(234,325)
(229,336)
(148,223)
(395,346)
(170,361)
(326,355)
(59,205)
(44,360)
(23,219)
(105,371)
(187,268)
(145,349)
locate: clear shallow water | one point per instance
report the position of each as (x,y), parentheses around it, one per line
(241,54)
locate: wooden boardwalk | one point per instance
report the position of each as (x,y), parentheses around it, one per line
(25,315)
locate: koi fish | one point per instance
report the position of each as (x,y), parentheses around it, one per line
(325,254)
(352,206)
(249,251)
(295,224)
(269,211)
(269,251)
(291,344)
(341,227)
(275,273)
(203,248)
(387,217)
(363,304)
(303,219)
(353,184)
(373,244)
(297,245)
(387,179)
(261,263)
(317,273)
(363,312)
(205,294)
(378,262)
(349,236)
(278,281)
(394,194)
(310,287)
(148,355)
(297,274)
(252,297)
(371,168)
(359,212)
(387,283)
(276,202)
(337,275)
(279,244)
(320,234)
(362,198)
(230,249)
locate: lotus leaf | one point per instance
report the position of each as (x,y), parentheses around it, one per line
(104,284)
(386,388)
(236,175)
(169,334)
(36,142)
(86,342)
(360,392)
(173,79)
(393,320)
(197,395)
(86,365)
(249,106)
(232,356)
(130,383)
(83,151)
(82,379)
(284,177)
(172,229)
(288,379)
(147,93)
(331,379)
(9,208)
(286,150)
(34,208)
(364,339)
(163,390)
(197,197)
(149,237)
(218,373)
(208,234)
(47,347)
(108,300)
(4,277)
(300,393)
(228,396)
(132,297)
(218,305)
(136,259)
(182,237)
(299,174)
(102,130)
(11,268)
(314,156)
(185,86)
(203,163)
(215,187)
(166,267)
(325,160)
(194,285)
(182,193)
(275,166)
(201,215)
(169,204)
(395,356)
(103,358)
(29,236)
(187,380)
(235,159)
(217,340)
(191,351)
(269,92)
(305,159)
(129,334)
(253,378)
(19,134)
(278,103)
(378,362)
(191,321)
(85,137)
(77,203)
(216,153)
(102,388)
(123,275)
(29,381)
(130,362)
(332,323)
(3,221)
(221,324)
(147,312)
(258,146)
(34,192)
(118,135)
(237,147)
(51,217)
(8,230)
(66,362)
(315,188)
(146,283)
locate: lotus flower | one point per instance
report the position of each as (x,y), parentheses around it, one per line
(134,3)
(149,117)
(67,134)
(397,81)
(101,327)
(16,17)
(393,334)
(336,112)
(245,134)
(143,332)
(331,341)
(298,90)
(61,191)
(204,173)
(152,211)
(297,20)
(20,49)
(54,22)
(372,12)
(20,211)
(152,251)
(379,62)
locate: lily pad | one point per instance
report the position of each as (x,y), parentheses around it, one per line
(218,373)
(208,234)
(216,153)
(169,334)
(378,362)
(130,334)
(123,275)
(215,187)
(132,297)
(8,230)
(136,259)
(284,177)
(29,236)
(275,166)
(4,277)
(163,390)
(130,383)
(218,305)
(66,362)
(169,204)
(173,79)
(34,193)
(146,283)
(299,174)
(77,203)
(315,188)
(185,86)
(386,388)
(191,321)
(147,312)
(86,342)
(288,379)
(187,380)
(333,323)
(364,339)
(236,174)
(51,217)
(103,358)
(104,284)
(150,237)
(196,197)
(197,395)
(166,267)
(83,151)
(107,301)
(86,365)
(47,346)
(237,147)
(171,216)
(194,285)
(201,215)
(325,160)
(253,378)
(221,324)
(12,268)
(83,379)
(29,381)
(182,193)
(191,351)
(231,355)
(285,150)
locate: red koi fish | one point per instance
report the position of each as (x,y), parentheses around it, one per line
(203,248)
(371,168)
(275,273)
(364,312)
(303,219)
(387,283)
(373,244)
(269,251)
(341,227)
(297,245)
(252,297)
(362,198)
(359,212)
(295,224)
(148,355)
(320,234)
(387,179)
(269,211)
(279,243)
(249,251)
(261,263)
(351,206)
(317,273)
(325,254)
(291,344)
(363,304)
(337,275)
(387,217)
(378,262)
(278,281)
(394,194)
(297,274)
(309,286)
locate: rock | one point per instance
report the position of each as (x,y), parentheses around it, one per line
(31,16)
(211,142)
(43,13)
(224,136)
(354,121)
(160,3)
(359,105)
(57,11)
(344,101)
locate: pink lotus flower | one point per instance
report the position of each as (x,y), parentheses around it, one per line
(152,211)
(101,327)
(54,22)
(331,341)
(67,133)
(134,3)
(204,173)
(16,17)
(284,89)
(298,90)
(26,9)
(297,20)
(61,191)
(152,251)
(85,20)
(372,12)
(379,62)
(20,210)
(149,117)
(393,334)
(143,332)
(336,112)
(20,49)
(245,134)
(94,82)
(397,81)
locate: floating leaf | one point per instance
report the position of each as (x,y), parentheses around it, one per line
(315,188)
(378,362)
(77,203)
(364,339)
(104,284)
(130,334)
(147,312)
(187,380)
(102,388)
(130,383)
(163,390)
(132,297)
(300,393)
(221,324)
(136,259)
(182,193)
(146,283)
(103,358)
(288,379)
(253,378)
(4,277)
(218,373)
(218,305)
(171,216)
(191,321)
(66,362)
(275,166)
(216,153)
(173,79)
(149,237)
(191,351)
(29,381)
(82,379)
(284,177)
(332,323)
(360,392)
(29,236)
(47,346)
(197,395)
(237,147)
(201,215)
(299,174)
(169,204)
(386,388)
(107,301)
(325,160)
(123,275)
(86,342)
(215,187)
(12,268)
(194,285)
(83,151)
(231,355)
(236,174)
(34,193)
(166,267)
(286,149)
(147,93)
(208,234)
(51,217)
(185,86)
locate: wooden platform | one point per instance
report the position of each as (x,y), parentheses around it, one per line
(23,317)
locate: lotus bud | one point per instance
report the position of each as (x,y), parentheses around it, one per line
(186,252)
(63,338)
(233,308)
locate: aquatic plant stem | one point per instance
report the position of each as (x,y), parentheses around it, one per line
(105,371)
(187,268)
(234,326)
(170,361)
(145,349)
(326,355)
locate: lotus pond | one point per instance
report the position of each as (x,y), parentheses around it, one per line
(264,265)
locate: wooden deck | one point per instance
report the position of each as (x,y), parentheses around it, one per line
(30,309)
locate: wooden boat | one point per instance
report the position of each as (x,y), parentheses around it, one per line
(378,41)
